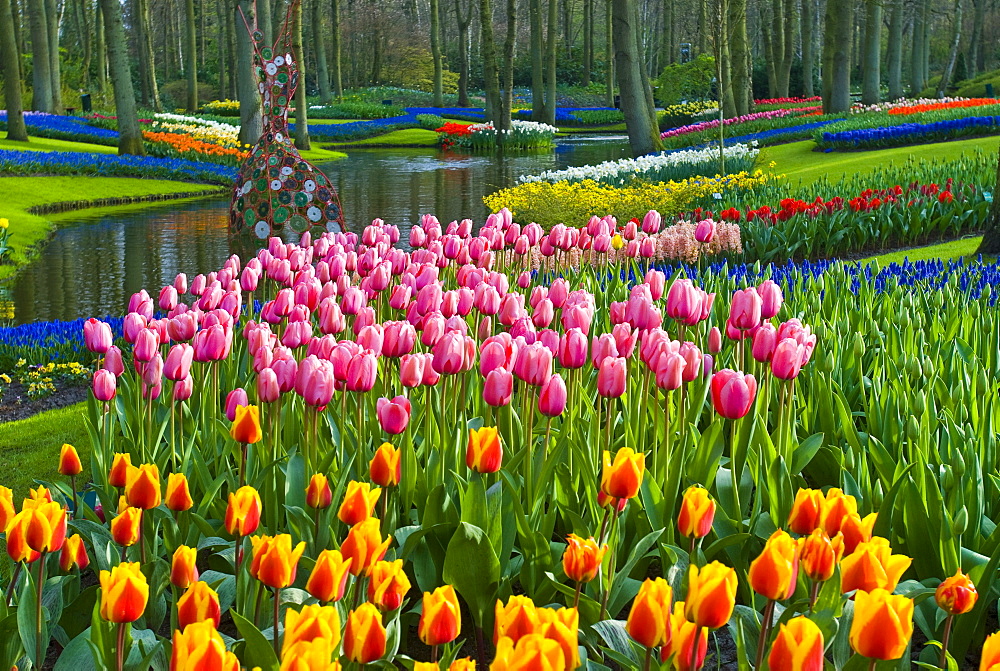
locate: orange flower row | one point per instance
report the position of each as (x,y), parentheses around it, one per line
(182,143)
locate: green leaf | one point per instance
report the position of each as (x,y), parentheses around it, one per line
(26,614)
(11,648)
(257,650)
(472,567)
(77,656)
(613,633)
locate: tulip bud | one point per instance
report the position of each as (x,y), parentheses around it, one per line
(697,513)
(364,636)
(178,496)
(275,560)
(69,461)
(198,603)
(798,646)
(183,572)
(359,503)
(441,617)
(73,553)
(582,559)
(385,468)
(711,595)
(956,595)
(820,555)
(388,584)
(485,451)
(318,493)
(623,477)
(773,574)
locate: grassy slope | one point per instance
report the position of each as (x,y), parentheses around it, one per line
(407,137)
(45,144)
(22,193)
(29,448)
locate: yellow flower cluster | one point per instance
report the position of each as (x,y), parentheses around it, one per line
(6,309)
(690,108)
(573,203)
(223,107)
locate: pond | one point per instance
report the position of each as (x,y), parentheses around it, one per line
(91,267)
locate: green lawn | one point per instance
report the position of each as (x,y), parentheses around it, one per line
(22,193)
(797,161)
(45,144)
(321,122)
(955,249)
(407,137)
(29,448)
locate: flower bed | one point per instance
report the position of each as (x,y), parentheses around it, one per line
(183,145)
(756,116)
(909,133)
(350,450)
(79,163)
(479,136)
(58,127)
(663,167)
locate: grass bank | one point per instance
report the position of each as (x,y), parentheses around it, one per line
(21,194)
(29,448)
(406,137)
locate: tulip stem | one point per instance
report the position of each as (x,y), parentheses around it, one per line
(576,595)
(142,537)
(257,605)
(38,613)
(119,645)
(649,659)
(72,486)
(944,641)
(695,644)
(871,666)
(765,630)
(277,603)
(611,568)
(236,586)
(434,654)
(813,595)
(13,584)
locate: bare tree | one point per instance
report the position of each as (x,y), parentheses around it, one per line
(10,60)
(871,74)
(129,132)
(642,133)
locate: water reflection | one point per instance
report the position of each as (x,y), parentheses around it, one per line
(91,267)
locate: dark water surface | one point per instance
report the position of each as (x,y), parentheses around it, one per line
(92,265)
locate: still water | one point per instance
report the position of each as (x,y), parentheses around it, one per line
(91,267)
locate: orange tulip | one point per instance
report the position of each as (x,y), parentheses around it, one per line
(17,540)
(807,511)
(562,625)
(364,636)
(329,577)
(649,620)
(199,647)
(359,502)
(274,560)
(836,506)
(956,595)
(682,638)
(797,647)
(183,571)
(118,476)
(388,584)
(243,512)
(990,660)
(318,494)
(517,619)
(883,624)
(872,565)
(309,656)
(485,452)
(199,602)
(43,524)
(774,572)
(462,664)
(142,488)
(246,425)
(622,477)
(124,592)
(857,530)
(40,494)
(364,546)
(821,554)
(697,513)
(178,493)
(69,461)
(532,652)
(125,527)
(7,510)
(441,617)
(426,666)
(711,595)
(582,559)
(74,553)
(385,468)
(309,624)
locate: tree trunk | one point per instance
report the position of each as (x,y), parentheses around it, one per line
(221,42)
(488,53)
(53,18)
(147,45)
(837,44)
(41,75)
(191,55)
(974,61)
(953,55)
(88,47)
(609,58)
(251,124)
(319,46)
(628,67)
(507,97)
(129,132)
(552,38)
(808,48)
(436,53)
(335,47)
(771,60)
(647,86)
(537,39)
(778,46)
(101,50)
(265,20)
(872,74)
(703,26)
(588,41)
(301,106)
(233,49)
(739,48)
(990,245)
(894,51)
(463,52)
(918,76)
(10,68)
(791,20)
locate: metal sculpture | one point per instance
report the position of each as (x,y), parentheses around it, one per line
(276,188)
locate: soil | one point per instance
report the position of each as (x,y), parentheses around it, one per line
(15,403)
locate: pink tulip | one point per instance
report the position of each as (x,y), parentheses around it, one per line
(573,349)
(296,335)
(498,386)
(178,363)
(745,312)
(715,340)
(393,414)
(433,327)
(97,336)
(651,222)
(398,338)
(692,358)
(771,299)
(733,393)
(670,371)
(181,283)
(511,309)
(487,299)
(133,324)
(104,385)
(533,364)
(198,285)
(210,344)
(559,292)
(625,339)
(704,231)
(684,303)
(314,381)
(544,313)
(372,337)
(249,279)
(362,371)
(237,397)
(524,280)
(411,370)
(492,356)
(611,377)
(113,361)
(656,281)
(449,353)
(602,347)
(151,392)
(286,369)
(146,344)
(141,303)
(168,298)
(788,359)
(552,396)
(765,339)
(268,390)
(182,327)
